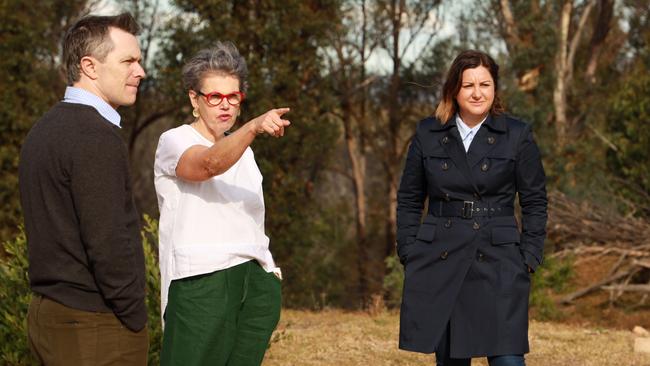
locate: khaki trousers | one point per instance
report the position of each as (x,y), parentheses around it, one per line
(59,335)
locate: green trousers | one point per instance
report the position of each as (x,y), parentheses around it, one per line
(224,318)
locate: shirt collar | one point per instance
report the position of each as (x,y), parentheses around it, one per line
(82,96)
(464,129)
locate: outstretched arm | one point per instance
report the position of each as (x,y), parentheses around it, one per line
(199,163)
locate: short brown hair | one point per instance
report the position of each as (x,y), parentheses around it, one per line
(89,37)
(468,59)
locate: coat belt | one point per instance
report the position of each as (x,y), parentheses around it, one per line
(468,209)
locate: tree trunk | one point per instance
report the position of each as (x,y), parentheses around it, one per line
(601,29)
(511,34)
(394,119)
(391,218)
(358,164)
(564,62)
(559,93)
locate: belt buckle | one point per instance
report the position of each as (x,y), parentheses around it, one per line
(468,209)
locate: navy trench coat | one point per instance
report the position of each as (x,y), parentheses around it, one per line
(466,262)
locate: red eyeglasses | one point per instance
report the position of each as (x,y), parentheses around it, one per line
(215,98)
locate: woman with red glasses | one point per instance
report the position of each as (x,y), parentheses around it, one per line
(220,286)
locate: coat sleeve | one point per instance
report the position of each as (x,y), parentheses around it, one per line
(410,197)
(531,187)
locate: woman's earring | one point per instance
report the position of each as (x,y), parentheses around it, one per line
(195,113)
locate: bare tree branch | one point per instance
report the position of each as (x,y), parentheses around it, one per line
(511,28)
(559,92)
(576,39)
(601,136)
(601,29)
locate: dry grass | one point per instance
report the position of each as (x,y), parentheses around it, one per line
(335,337)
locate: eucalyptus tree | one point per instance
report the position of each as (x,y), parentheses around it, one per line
(378,57)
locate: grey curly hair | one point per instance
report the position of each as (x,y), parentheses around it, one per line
(222,58)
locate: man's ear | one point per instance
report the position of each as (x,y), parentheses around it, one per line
(87,67)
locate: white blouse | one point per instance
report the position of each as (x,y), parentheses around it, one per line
(210,225)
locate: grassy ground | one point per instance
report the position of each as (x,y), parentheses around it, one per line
(335,337)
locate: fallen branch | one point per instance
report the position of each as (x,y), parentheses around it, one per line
(573,223)
(596,234)
(645,264)
(569,298)
(628,288)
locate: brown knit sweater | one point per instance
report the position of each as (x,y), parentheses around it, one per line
(82,226)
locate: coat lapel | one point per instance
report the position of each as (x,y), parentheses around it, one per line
(453,146)
(486,139)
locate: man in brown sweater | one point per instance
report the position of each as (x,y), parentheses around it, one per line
(86,263)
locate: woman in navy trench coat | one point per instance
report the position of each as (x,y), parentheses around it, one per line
(467,266)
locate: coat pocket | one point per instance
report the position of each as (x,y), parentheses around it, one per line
(427,231)
(502,235)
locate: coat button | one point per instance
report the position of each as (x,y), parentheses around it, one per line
(445,166)
(477,196)
(480,257)
(448,223)
(490,140)
(485,167)
(447,197)
(476,226)
(444,255)
(445,140)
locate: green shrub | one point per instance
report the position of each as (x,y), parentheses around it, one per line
(15,297)
(393,282)
(14,301)
(552,277)
(152,275)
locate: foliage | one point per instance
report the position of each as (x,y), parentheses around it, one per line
(553,276)
(30,84)
(629,113)
(15,296)
(393,282)
(527,50)
(152,277)
(317,276)
(14,301)
(378,106)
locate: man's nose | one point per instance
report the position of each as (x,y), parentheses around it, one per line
(139,71)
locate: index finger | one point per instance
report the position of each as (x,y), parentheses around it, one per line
(281,111)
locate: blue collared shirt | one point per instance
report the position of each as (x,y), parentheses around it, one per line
(82,96)
(466,133)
